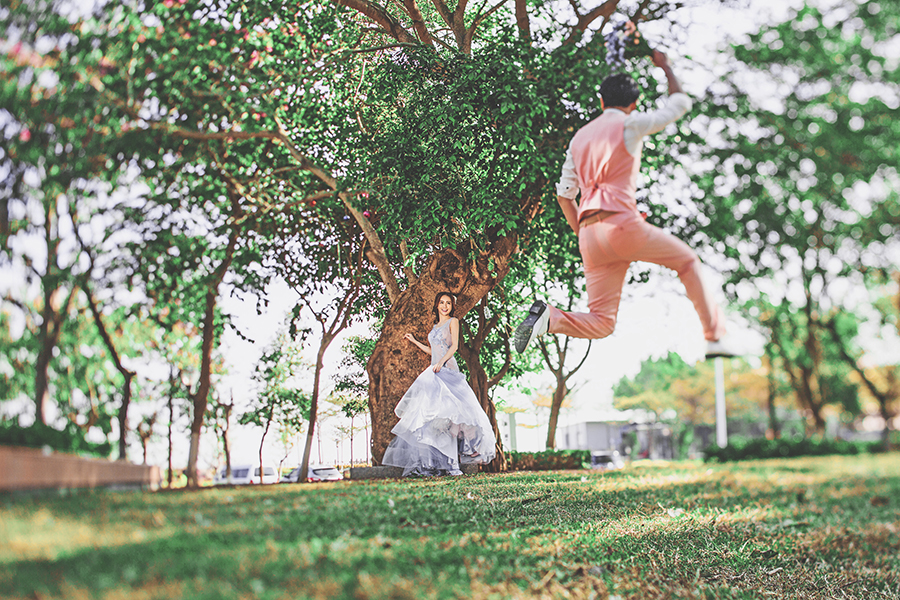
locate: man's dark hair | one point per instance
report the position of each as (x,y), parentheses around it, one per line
(619,90)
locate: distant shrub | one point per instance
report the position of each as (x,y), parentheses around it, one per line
(71,439)
(548,460)
(751,448)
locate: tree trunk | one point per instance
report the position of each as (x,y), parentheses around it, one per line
(559,395)
(170,475)
(351,441)
(774,426)
(262,469)
(53,314)
(226,439)
(313,410)
(127,374)
(478,381)
(201,397)
(123,415)
(395,363)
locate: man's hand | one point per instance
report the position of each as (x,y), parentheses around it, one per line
(660,59)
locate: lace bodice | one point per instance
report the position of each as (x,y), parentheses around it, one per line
(439,339)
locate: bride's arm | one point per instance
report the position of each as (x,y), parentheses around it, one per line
(454,344)
(422,347)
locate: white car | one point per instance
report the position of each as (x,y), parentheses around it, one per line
(316,473)
(246,475)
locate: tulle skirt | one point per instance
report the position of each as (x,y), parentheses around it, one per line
(441,425)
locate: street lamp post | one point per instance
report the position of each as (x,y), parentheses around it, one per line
(721,427)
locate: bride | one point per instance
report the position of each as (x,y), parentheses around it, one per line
(441,422)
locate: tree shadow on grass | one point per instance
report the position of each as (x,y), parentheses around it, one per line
(433,537)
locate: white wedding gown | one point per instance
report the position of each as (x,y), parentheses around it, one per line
(441,422)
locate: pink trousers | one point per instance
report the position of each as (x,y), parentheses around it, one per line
(608,247)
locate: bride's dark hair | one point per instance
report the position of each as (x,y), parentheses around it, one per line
(437,300)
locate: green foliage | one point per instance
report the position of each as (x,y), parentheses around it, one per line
(70,439)
(279,399)
(801,189)
(548,460)
(655,374)
(756,448)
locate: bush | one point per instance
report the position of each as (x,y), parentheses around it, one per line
(71,439)
(750,448)
(548,460)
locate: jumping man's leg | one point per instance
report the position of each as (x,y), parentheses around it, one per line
(605,274)
(652,244)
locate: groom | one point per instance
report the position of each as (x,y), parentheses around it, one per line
(603,163)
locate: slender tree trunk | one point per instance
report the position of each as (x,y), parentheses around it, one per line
(559,395)
(226,439)
(200,399)
(127,374)
(774,426)
(123,416)
(562,377)
(313,410)
(170,475)
(262,441)
(478,381)
(53,314)
(395,363)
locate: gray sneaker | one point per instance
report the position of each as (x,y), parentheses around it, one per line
(534,325)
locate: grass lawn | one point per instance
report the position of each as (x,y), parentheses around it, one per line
(795,528)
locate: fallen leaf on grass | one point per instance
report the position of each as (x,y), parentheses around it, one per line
(673,512)
(878,501)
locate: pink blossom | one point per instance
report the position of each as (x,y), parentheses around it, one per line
(25,135)
(367,214)
(168,3)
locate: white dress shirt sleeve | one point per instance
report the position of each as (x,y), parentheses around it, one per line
(640,124)
(568,181)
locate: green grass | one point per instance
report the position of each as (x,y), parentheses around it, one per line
(826,527)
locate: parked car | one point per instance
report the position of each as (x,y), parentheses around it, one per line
(606,460)
(245,475)
(316,473)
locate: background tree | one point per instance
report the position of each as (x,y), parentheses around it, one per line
(801,180)
(279,399)
(219,418)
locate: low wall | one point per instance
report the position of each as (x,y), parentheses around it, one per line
(32,469)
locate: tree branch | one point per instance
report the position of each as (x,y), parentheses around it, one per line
(407,268)
(469,34)
(507,363)
(442,9)
(605,10)
(381,17)
(412,9)
(522,19)
(580,364)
